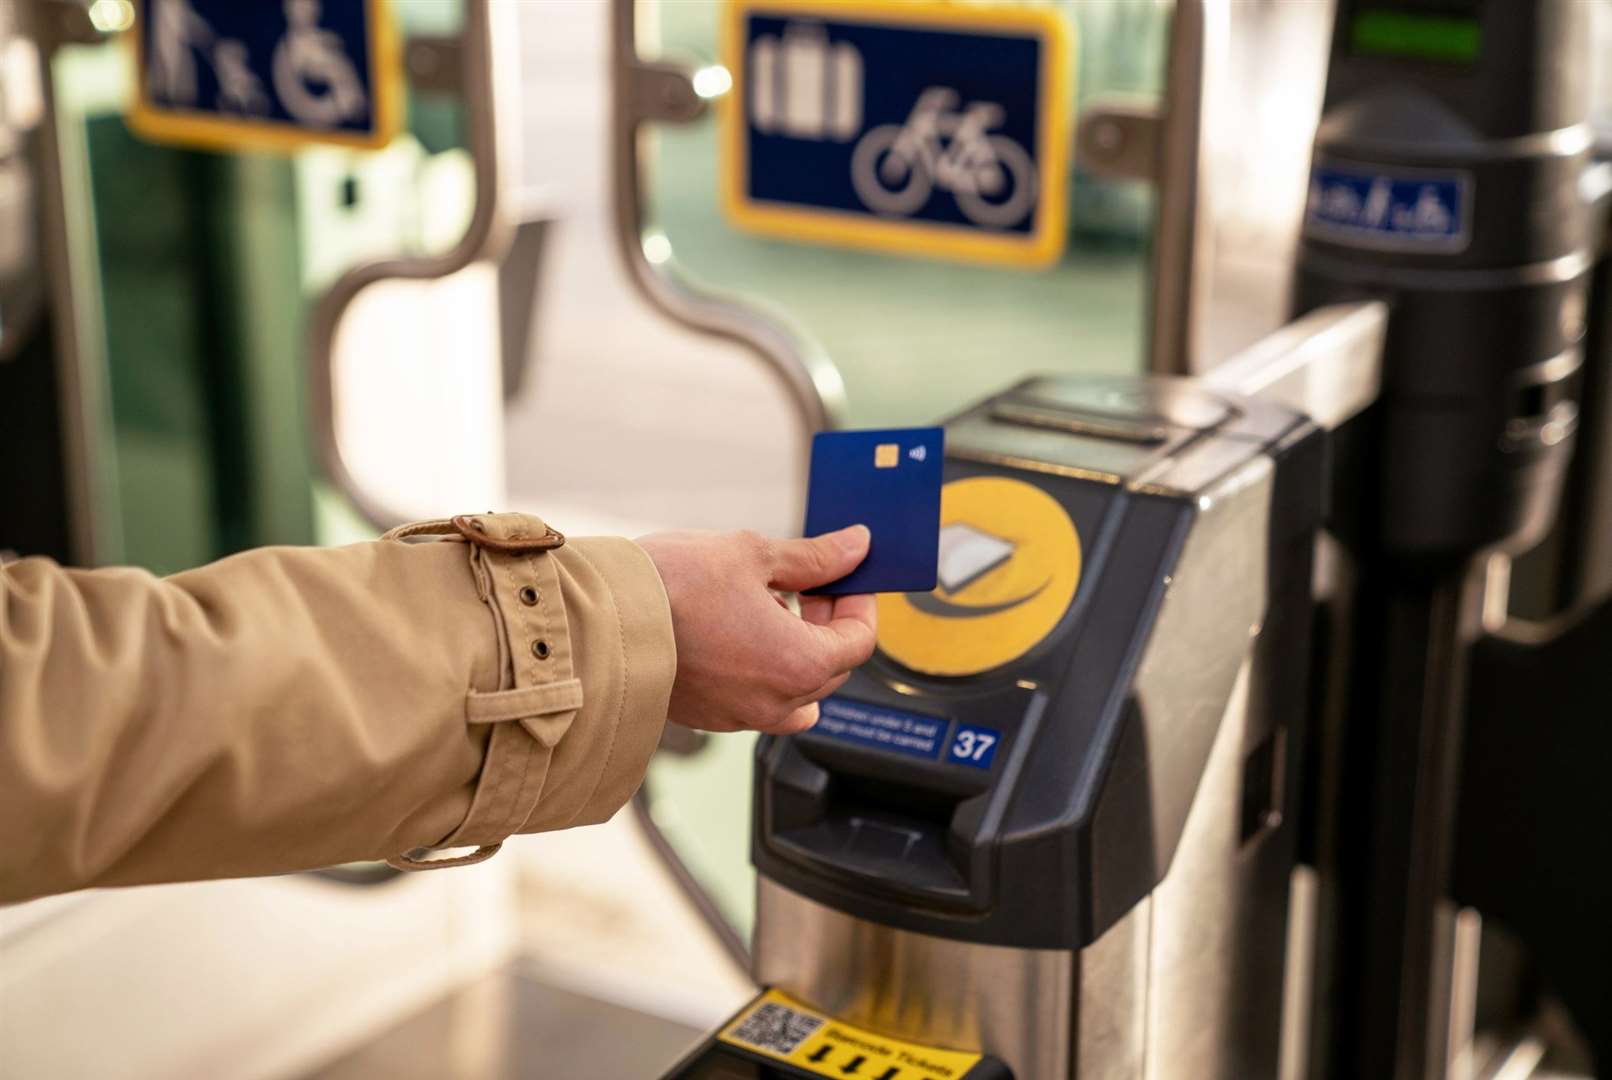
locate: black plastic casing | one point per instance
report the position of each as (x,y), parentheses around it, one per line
(1479,370)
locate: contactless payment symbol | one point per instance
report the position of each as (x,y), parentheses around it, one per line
(1009,569)
(923,127)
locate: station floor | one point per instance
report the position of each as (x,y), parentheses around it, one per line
(511,1025)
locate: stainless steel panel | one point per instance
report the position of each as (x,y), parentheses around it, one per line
(1219,916)
(1326,364)
(1219,931)
(1111,1022)
(1015,1003)
(1238,117)
(1183,237)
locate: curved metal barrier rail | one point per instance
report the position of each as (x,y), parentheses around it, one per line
(643,92)
(491,93)
(491,96)
(640,93)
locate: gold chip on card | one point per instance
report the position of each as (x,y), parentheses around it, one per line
(886,455)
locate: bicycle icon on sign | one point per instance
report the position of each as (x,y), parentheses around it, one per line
(895,167)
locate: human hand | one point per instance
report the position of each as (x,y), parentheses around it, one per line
(744,661)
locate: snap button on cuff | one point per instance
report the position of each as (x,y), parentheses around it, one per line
(540,649)
(528,595)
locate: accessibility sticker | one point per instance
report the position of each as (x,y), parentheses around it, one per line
(882,728)
(272,74)
(924,127)
(779,1027)
(1402,210)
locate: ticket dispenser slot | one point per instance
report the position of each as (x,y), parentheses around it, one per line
(901,829)
(1044,823)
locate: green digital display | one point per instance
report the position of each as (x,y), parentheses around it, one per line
(1416,36)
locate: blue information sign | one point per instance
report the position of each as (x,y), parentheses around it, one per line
(266,73)
(929,128)
(1400,210)
(903,732)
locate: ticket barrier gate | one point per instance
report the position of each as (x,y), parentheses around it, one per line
(1049,828)
(1455,913)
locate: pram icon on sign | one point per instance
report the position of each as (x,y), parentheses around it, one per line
(921,127)
(1413,209)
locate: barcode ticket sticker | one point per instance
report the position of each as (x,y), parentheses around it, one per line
(780,1027)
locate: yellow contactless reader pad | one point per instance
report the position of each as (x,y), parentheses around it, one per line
(1010,561)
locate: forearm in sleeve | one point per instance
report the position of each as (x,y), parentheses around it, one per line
(289,708)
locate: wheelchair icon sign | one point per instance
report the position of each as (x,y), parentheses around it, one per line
(909,126)
(273,73)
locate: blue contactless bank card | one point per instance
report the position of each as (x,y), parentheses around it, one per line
(890,482)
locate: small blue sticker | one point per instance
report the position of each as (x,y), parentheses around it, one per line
(884,729)
(973,745)
(1420,211)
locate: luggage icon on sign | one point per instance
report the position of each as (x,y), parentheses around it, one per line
(805,87)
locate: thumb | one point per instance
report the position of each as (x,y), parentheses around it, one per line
(805,564)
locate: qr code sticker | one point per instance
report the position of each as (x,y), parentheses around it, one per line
(776,1028)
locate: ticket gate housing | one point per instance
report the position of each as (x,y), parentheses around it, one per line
(1109,896)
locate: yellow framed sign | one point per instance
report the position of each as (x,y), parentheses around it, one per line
(266,74)
(921,127)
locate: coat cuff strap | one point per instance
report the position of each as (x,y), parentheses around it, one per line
(544,710)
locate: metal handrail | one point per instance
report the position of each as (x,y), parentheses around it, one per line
(1183,238)
(642,92)
(491,98)
(1326,364)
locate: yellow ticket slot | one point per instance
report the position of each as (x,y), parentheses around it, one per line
(775,1035)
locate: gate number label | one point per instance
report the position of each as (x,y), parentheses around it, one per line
(972,745)
(923,127)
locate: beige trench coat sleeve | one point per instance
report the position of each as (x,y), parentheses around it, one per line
(290,708)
